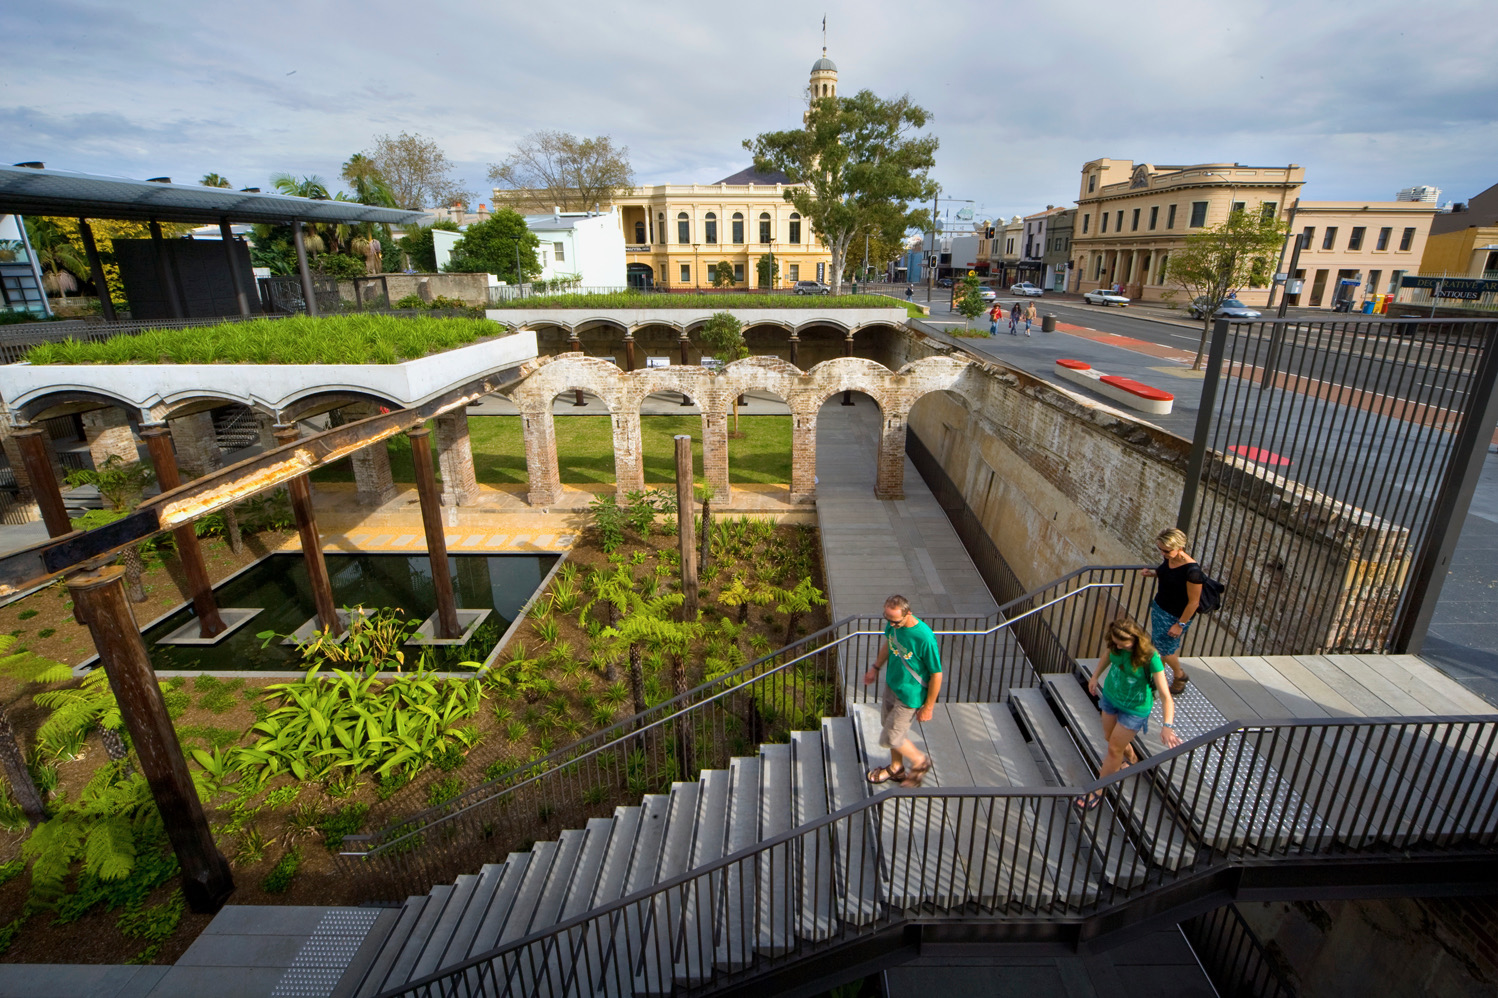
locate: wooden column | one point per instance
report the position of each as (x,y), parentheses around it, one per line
(686,523)
(848,352)
(43,481)
(629,352)
(96,270)
(99,603)
(431,520)
(306,527)
(159,444)
(795,344)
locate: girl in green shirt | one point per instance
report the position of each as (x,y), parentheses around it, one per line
(1135,677)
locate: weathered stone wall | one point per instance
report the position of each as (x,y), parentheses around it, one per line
(1059,482)
(470,289)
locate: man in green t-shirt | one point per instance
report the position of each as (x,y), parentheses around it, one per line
(911,681)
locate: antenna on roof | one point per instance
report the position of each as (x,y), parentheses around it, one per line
(824,36)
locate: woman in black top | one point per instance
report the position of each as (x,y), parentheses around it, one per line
(1177,593)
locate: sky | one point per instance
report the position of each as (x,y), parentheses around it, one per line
(1369,98)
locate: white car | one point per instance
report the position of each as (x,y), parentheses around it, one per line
(988,294)
(1104,297)
(1026,288)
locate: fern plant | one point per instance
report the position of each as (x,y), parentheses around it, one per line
(24,667)
(100,829)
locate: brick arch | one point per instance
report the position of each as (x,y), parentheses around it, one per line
(856,374)
(568,372)
(940,374)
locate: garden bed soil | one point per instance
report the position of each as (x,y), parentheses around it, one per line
(219,711)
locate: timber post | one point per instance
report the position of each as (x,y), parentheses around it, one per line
(164,460)
(431,521)
(306,527)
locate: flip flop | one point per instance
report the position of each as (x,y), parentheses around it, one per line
(885,773)
(1088,801)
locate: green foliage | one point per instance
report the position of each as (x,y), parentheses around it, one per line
(767,269)
(443,790)
(373,641)
(177,702)
(279,879)
(411,301)
(635,299)
(417,244)
(12,870)
(27,614)
(494,245)
(336,339)
(722,337)
(347,820)
(153,923)
(76,711)
(217,696)
(101,829)
(723,274)
(208,735)
(339,265)
(970,303)
(1239,252)
(609,520)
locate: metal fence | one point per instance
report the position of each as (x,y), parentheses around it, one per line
(1332,466)
(516,292)
(1234,959)
(285,296)
(789,689)
(1297,795)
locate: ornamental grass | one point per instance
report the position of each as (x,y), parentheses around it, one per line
(634,299)
(339,339)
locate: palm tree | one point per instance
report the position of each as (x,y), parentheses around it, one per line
(55,252)
(214,180)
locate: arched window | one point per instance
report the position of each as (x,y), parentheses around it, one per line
(764,227)
(795,227)
(640,233)
(683,227)
(660,226)
(824,90)
(710,228)
(738,226)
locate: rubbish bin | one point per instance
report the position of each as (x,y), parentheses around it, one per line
(1048,323)
(1369,306)
(855,287)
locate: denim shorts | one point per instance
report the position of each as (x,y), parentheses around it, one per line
(1134,722)
(1160,625)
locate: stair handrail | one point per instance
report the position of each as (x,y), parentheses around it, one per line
(395,834)
(1241,855)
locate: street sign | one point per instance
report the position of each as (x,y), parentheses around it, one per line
(1292,287)
(1465,288)
(657,361)
(1281,278)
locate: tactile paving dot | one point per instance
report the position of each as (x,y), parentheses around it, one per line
(326,953)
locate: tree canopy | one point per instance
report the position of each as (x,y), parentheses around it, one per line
(491,247)
(416,171)
(857,161)
(1240,252)
(559,170)
(214,180)
(417,245)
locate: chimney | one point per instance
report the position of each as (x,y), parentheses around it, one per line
(33,165)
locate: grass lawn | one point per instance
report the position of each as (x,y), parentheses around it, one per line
(585,450)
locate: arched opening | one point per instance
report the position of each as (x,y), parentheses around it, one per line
(710,228)
(766,230)
(761,444)
(585,442)
(738,227)
(768,340)
(683,228)
(847,443)
(640,233)
(639,275)
(821,341)
(795,233)
(664,415)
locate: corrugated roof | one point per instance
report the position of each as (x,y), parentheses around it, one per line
(25,191)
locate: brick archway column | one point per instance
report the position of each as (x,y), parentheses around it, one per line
(629,454)
(460,486)
(197,443)
(373,480)
(889,473)
(715,444)
(108,432)
(803,455)
(540,433)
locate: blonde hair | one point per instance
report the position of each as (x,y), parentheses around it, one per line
(1172,539)
(1144,649)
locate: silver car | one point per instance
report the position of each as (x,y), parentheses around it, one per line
(1231,308)
(1102,296)
(1026,288)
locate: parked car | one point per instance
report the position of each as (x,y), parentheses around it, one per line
(1102,296)
(812,288)
(1231,308)
(987,293)
(1026,288)
(944,282)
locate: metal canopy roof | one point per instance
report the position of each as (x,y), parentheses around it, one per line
(24,191)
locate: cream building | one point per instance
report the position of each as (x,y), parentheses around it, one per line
(676,236)
(1131,216)
(1374,243)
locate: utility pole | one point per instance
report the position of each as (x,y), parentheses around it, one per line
(931,251)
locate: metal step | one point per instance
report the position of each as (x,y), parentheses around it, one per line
(736,899)
(657,943)
(615,971)
(814,851)
(778,881)
(1110,851)
(489,879)
(400,971)
(374,979)
(486,937)
(692,966)
(855,876)
(447,922)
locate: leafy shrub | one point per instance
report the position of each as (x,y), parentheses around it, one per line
(279,879)
(177,702)
(12,870)
(153,923)
(46,632)
(212,737)
(443,790)
(411,301)
(340,265)
(387,785)
(27,614)
(347,820)
(450,758)
(216,695)
(609,519)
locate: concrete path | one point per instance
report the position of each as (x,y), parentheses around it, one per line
(872,548)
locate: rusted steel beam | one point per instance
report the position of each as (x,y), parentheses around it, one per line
(34,565)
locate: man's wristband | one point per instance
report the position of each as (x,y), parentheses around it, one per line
(1167,724)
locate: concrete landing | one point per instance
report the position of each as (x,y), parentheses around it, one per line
(873,547)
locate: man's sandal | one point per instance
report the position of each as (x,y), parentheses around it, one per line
(886,773)
(916,774)
(1178,685)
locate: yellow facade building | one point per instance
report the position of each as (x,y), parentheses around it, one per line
(1464,241)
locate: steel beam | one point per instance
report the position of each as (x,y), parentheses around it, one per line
(96,270)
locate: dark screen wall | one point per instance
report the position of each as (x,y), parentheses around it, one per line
(200,270)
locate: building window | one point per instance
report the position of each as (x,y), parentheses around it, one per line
(1154,217)
(1134,221)
(712,274)
(1395,281)
(683,228)
(1267,209)
(686,273)
(559,252)
(1085,220)
(1329,241)
(1119,227)
(1198,214)
(738,273)
(1164,267)
(1307,237)
(1239,205)
(1105,221)
(1009,247)
(1097,266)
(660,228)
(795,271)
(1091,182)
(710,228)
(1355,237)
(764,226)
(738,227)
(1170,217)
(639,233)
(1407,240)
(1383,236)
(1373,276)
(795,227)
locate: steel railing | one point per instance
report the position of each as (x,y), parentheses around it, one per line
(703,728)
(1305,792)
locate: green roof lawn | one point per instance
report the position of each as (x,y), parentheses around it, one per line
(628,299)
(335,339)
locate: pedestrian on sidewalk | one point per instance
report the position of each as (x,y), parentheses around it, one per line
(1029,316)
(994,314)
(1178,592)
(909,292)
(1014,320)
(912,679)
(1135,676)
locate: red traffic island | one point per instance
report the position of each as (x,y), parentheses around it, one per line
(1127,391)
